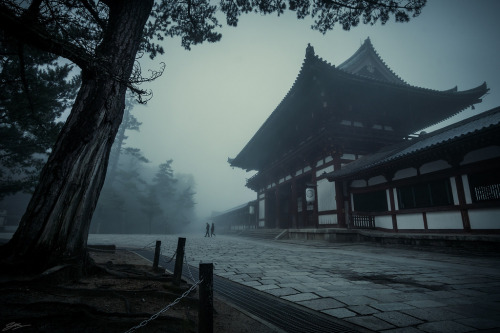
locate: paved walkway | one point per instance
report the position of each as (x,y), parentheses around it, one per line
(382,289)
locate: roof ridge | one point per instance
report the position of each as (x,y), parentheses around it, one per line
(357,58)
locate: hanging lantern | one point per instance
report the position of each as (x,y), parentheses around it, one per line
(310,194)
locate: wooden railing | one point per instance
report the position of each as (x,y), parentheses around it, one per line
(362,222)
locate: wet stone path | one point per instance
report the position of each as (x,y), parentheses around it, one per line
(384,289)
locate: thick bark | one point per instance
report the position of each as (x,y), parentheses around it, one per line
(55,227)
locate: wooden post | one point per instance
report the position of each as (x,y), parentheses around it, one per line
(179,261)
(206,302)
(157,255)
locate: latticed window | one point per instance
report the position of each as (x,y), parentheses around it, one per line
(427,194)
(370,201)
(485,186)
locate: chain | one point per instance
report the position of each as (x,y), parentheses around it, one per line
(153,317)
(148,246)
(172,258)
(189,270)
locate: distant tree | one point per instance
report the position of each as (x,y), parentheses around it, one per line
(164,180)
(151,206)
(185,202)
(103,38)
(163,184)
(34,92)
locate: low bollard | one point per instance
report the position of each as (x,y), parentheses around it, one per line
(206,302)
(156,260)
(179,261)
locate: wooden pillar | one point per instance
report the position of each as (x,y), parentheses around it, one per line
(339,199)
(156,259)
(277,207)
(315,209)
(294,204)
(206,299)
(339,191)
(392,209)
(179,261)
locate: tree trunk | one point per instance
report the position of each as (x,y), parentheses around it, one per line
(117,150)
(55,226)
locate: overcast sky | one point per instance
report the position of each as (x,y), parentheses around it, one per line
(212,99)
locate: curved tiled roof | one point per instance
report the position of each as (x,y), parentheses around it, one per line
(385,87)
(463,129)
(367,62)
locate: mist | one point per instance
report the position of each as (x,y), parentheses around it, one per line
(211,100)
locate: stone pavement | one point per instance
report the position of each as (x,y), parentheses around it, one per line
(384,289)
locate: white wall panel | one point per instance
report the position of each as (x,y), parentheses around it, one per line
(410,221)
(328,219)
(376,180)
(405,173)
(481,154)
(444,220)
(485,218)
(396,202)
(358,183)
(324,170)
(262,209)
(465,181)
(384,222)
(326,195)
(348,157)
(434,166)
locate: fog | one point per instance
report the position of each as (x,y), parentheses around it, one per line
(212,99)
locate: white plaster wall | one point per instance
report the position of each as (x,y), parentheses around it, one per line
(326,195)
(348,156)
(262,209)
(376,180)
(358,183)
(405,173)
(396,202)
(465,181)
(485,218)
(384,222)
(328,159)
(328,219)
(324,170)
(444,220)
(481,154)
(388,199)
(262,195)
(434,166)
(410,221)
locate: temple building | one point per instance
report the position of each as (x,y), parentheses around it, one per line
(345,149)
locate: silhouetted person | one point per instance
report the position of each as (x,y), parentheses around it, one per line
(213,229)
(208,230)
